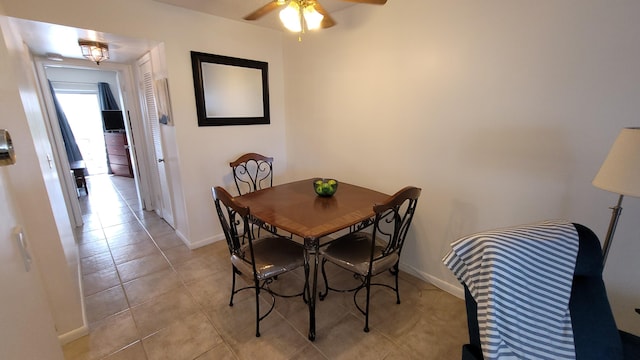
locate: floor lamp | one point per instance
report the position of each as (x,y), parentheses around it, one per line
(620,174)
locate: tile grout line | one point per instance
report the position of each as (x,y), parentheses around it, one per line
(182,282)
(120,281)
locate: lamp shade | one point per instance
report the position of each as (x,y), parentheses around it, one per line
(620,172)
(301,14)
(312,17)
(290,17)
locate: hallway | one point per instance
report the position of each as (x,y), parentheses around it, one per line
(148,296)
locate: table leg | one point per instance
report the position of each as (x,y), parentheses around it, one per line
(311,245)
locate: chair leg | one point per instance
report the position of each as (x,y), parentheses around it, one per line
(397,289)
(257,308)
(366,315)
(321,296)
(233,284)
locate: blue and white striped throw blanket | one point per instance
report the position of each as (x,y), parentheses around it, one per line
(521,279)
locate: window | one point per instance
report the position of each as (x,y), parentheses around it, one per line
(82,110)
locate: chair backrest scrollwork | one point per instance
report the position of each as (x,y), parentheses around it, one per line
(252,172)
(393,219)
(234,220)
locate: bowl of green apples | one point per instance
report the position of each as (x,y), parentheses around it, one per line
(325,187)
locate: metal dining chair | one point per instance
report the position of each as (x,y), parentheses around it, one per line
(252,172)
(262,259)
(374,250)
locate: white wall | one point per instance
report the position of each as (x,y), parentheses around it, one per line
(201,156)
(36,189)
(501,111)
(27,330)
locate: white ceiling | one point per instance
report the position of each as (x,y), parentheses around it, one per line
(43,38)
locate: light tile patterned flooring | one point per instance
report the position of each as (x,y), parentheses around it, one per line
(148,296)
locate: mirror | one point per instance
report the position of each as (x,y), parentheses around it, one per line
(230,91)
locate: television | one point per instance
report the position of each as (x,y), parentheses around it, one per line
(112,120)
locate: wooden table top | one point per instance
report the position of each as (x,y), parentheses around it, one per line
(295,207)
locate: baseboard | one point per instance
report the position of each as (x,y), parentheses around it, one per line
(182,237)
(84,329)
(73,335)
(455,290)
(200,243)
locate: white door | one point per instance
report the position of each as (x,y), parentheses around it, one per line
(160,177)
(26,325)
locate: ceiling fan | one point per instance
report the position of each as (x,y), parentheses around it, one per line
(298,15)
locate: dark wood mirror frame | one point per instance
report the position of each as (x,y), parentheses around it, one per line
(254,78)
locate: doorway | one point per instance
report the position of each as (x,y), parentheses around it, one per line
(160,180)
(76,87)
(59,44)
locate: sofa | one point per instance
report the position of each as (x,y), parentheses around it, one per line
(594,329)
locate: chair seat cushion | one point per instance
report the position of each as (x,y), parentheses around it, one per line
(353,251)
(273,256)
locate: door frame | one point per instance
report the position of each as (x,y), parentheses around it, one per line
(161,199)
(133,126)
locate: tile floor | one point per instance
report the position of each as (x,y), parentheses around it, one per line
(148,296)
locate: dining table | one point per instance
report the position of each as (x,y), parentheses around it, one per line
(295,208)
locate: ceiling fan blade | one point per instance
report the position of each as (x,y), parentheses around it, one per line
(327,20)
(374,2)
(272,5)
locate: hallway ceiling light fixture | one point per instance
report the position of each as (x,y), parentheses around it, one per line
(94,50)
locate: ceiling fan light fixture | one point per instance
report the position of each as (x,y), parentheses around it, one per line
(290,17)
(94,50)
(301,15)
(312,17)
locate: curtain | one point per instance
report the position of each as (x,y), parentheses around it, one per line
(70,145)
(107,101)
